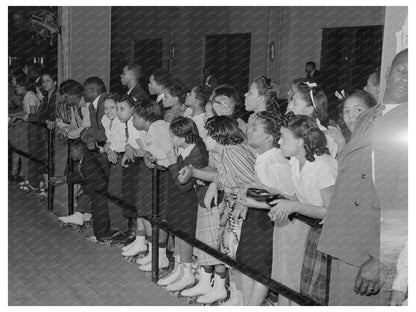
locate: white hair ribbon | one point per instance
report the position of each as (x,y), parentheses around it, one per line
(311,85)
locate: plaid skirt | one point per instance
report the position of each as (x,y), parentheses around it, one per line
(314,270)
(207,231)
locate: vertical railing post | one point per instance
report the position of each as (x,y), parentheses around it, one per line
(155,227)
(10,159)
(328,278)
(70,185)
(51,167)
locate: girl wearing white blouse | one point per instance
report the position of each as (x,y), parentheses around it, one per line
(314,173)
(273,173)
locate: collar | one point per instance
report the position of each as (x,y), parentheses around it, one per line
(95,102)
(388,108)
(266,154)
(185,153)
(160,97)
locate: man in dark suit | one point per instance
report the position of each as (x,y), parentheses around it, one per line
(92,177)
(351,231)
(314,75)
(130,78)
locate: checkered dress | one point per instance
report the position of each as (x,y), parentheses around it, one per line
(314,270)
(207,230)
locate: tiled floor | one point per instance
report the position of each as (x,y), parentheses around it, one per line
(50,266)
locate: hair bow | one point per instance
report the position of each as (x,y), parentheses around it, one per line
(340,95)
(311,85)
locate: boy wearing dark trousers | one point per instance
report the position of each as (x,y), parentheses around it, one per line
(90,174)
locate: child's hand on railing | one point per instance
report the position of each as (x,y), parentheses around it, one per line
(149,160)
(185,174)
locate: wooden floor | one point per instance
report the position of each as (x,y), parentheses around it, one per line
(50,266)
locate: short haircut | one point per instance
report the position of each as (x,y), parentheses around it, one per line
(304,127)
(148,110)
(161,77)
(50,73)
(312,64)
(224,130)
(27,82)
(71,87)
(96,81)
(129,100)
(136,69)
(79,144)
(272,125)
(184,127)
(202,94)
(112,96)
(178,89)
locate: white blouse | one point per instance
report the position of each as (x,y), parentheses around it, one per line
(134,134)
(313,177)
(274,170)
(158,142)
(115,131)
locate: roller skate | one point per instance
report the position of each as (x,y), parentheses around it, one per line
(119,239)
(172,274)
(146,262)
(134,249)
(202,288)
(75,221)
(185,280)
(218,294)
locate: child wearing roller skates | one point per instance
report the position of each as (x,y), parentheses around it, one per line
(89,173)
(232,171)
(147,118)
(183,200)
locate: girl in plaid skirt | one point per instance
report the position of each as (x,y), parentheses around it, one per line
(314,173)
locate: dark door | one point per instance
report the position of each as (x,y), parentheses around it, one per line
(349,56)
(228,56)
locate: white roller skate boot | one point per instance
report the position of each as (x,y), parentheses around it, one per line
(137,246)
(172,275)
(217,293)
(185,280)
(146,262)
(202,288)
(87,219)
(77,218)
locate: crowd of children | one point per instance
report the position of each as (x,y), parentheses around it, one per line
(210,151)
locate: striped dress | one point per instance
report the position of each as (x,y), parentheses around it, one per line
(235,165)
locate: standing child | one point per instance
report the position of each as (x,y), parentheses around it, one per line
(157,145)
(132,162)
(183,208)
(115,131)
(235,173)
(274,174)
(26,87)
(314,172)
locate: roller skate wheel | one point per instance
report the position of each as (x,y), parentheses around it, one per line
(191,301)
(130,260)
